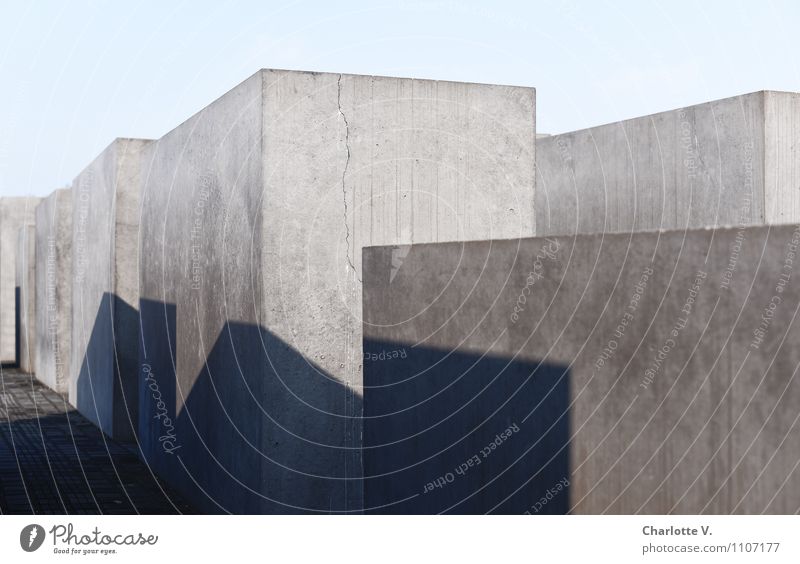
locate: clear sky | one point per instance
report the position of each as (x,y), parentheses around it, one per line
(74,75)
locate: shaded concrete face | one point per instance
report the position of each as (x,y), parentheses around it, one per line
(105,329)
(650,373)
(54,290)
(254,213)
(729,162)
(26,298)
(14,213)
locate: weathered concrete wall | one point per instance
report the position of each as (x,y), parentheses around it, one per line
(54,289)
(646,373)
(14,213)
(105,289)
(253,217)
(730,162)
(26,292)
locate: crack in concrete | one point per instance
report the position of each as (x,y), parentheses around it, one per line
(344,174)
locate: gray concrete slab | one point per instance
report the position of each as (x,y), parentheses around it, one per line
(54,290)
(14,213)
(105,289)
(731,162)
(647,373)
(253,217)
(26,292)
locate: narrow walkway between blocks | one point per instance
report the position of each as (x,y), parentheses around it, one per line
(55,461)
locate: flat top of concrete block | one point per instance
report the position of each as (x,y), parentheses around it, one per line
(421,79)
(284,72)
(669,111)
(114,146)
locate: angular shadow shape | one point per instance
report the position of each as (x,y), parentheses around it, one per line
(454,432)
(107,389)
(262,429)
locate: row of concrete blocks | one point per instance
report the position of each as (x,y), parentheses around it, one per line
(201,295)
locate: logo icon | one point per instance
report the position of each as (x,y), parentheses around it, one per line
(31,537)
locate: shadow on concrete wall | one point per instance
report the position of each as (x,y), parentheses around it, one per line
(451,432)
(255,431)
(107,390)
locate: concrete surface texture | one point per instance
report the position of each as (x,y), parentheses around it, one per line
(729,162)
(254,214)
(54,290)
(14,213)
(644,373)
(26,302)
(105,289)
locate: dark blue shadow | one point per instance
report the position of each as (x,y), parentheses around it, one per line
(429,414)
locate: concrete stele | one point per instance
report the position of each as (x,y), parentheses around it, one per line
(105,319)
(54,290)
(254,215)
(730,162)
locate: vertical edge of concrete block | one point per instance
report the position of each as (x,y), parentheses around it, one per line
(14,213)
(54,290)
(26,302)
(782,157)
(104,340)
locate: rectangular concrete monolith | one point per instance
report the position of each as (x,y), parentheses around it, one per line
(647,373)
(14,213)
(26,301)
(254,213)
(105,289)
(54,290)
(729,162)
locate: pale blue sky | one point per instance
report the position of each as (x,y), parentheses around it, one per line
(74,75)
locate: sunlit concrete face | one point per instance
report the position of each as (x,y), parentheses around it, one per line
(253,218)
(734,161)
(26,297)
(54,290)
(646,373)
(105,288)
(14,213)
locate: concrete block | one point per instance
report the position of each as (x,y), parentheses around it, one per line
(105,289)
(26,292)
(646,373)
(253,218)
(14,213)
(729,162)
(54,290)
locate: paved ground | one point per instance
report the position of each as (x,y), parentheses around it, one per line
(54,461)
